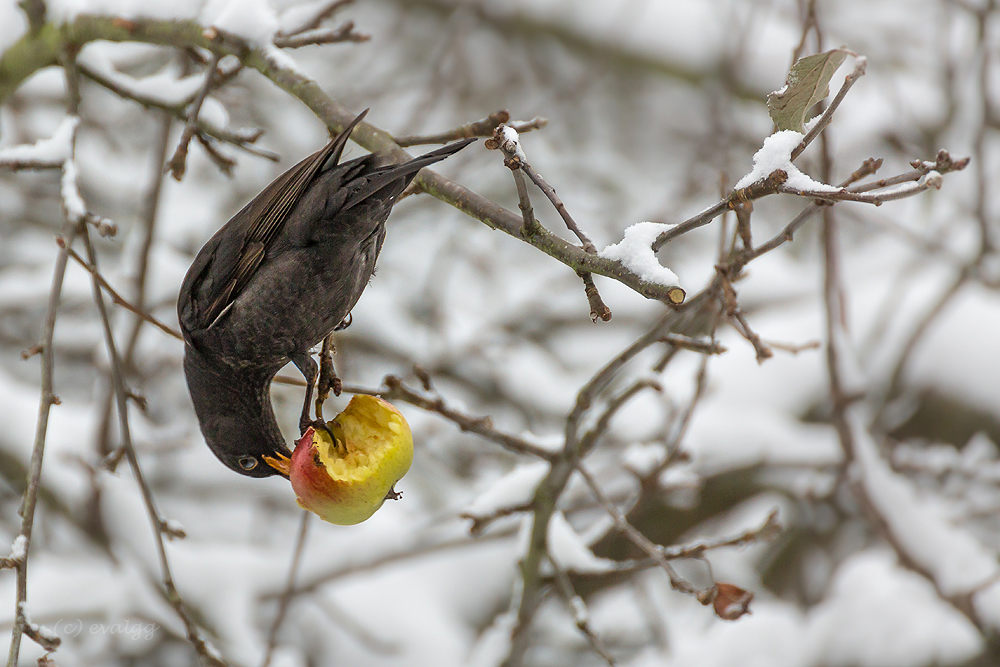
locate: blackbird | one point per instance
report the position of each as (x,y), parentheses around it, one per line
(274,282)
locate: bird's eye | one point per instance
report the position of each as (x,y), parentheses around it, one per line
(247,462)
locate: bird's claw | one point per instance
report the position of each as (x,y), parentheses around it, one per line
(344,323)
(319,424)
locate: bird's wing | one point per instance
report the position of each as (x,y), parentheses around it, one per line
(223,276)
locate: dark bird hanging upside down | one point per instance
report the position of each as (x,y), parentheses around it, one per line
(281,275)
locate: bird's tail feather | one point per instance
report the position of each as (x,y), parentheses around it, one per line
(400,175)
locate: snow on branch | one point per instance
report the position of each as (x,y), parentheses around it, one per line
(775,155)
(957,562)
(635,252)
(50,153)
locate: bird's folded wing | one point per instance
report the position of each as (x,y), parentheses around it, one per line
(217,278)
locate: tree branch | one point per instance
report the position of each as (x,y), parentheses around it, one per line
(33,52)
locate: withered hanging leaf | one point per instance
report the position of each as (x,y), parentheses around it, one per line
(808,82)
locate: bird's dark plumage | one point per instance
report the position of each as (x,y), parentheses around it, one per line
(273,282)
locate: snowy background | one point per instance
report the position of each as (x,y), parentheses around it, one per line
(888,499)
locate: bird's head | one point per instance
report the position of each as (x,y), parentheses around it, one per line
(250,450)
(235,414)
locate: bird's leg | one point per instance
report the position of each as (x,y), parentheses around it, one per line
(304,362)
(328,379)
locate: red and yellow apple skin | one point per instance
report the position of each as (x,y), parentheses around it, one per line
(346,481)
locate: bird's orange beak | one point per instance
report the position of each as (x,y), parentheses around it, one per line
(279,462)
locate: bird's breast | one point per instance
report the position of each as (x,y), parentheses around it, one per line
(296,298)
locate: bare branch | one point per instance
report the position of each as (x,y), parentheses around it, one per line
(860,63)
(516,161)
(705,346)
(598,309)
(345,33)
(178,162)
(550,192)
(117,298)
(581,617)
(396,390)
(616,403)
(650,548)
(48,399)
(479,128)
(208,654)
(322,13)
(33,54)
(286,596)
(241,139)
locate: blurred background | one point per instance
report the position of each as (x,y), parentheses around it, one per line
(887,554)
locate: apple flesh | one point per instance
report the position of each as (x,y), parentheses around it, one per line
(344,481)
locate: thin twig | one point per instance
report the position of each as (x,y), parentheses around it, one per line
(225,164)
(616,403)
(479,128)
(286,596)
(29,165)
(522,126)
(117,298)
(403,553)
(150,208)
(523,201)
(709,214)
(48,399)
(516,161)
(743,211)
(317,19)
(680,425)
(207,653)
(876,199)
(345,33)
(396,390)
(703,345)
(550,192)
(762,351)
(178,162)
(868,167)
(793,348)
(482,521)
(860,63)
(581,617)
(242,139)
(651,549)
(766,532)
(598,309)
(809,24)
